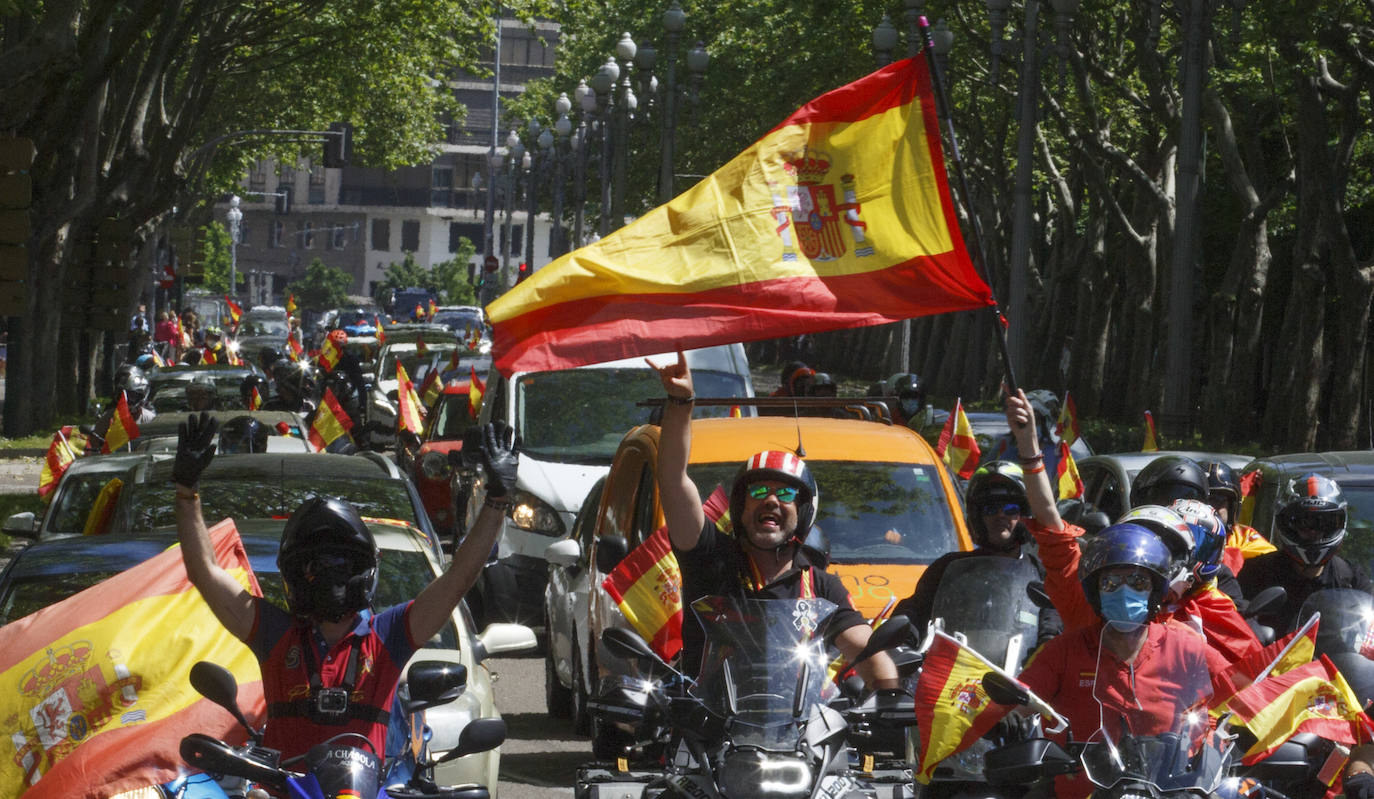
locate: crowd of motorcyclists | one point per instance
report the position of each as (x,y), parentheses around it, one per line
(1160,592)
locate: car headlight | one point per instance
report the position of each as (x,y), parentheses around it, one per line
(435,466)
(529,512)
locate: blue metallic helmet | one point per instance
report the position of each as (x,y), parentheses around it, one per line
(1125,544)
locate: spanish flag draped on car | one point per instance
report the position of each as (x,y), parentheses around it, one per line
(96,694)
(839,217)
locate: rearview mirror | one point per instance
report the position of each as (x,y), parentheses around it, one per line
(21,524)
(1004,690)
(610,550)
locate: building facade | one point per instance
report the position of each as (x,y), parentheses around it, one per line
(361,220)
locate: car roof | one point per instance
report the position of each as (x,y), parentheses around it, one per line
(315,464)
(72,554)
(1135,461)
(167,422)
(734,439)
(408,333)
(1337,464)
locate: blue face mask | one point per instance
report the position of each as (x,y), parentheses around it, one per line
(1125,608)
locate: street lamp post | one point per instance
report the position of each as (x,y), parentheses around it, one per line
(535,160)
(586,101)
(517,154)
(674,20)
(625,105)
(603,83)
(235,217)
(562,128)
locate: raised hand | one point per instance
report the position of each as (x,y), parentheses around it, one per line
(195,448)
(676,377)
(500,457)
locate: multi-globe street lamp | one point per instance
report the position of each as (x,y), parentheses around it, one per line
(235,217)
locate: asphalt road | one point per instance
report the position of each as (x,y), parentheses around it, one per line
(541,755)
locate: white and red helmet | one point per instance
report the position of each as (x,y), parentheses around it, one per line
(785,467)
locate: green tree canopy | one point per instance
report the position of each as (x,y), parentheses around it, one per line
(447,279)
(322,288)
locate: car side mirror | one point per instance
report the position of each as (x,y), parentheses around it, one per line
(610,550)
(24,525)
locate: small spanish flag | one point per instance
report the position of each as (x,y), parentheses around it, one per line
(475,390)
(381,331)
(1067,426)
(431,388)
(1151,442)
(67,445)
(1311,698)
(957,447)
(1066,479)
(235,312)
(254,399)
(433,308)
(331,422)
(952,708)
(410,416)
(123,428)
(291,305)
(329,356)
(293,346)
(421,348)
(98,517)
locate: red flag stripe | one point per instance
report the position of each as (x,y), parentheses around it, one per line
(756,309)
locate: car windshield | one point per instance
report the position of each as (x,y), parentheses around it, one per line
(401,577)
(146,506)
(580,415)
(452,418)
(869,512)
(459,320)
(417,365)
(168,389)
(263,326)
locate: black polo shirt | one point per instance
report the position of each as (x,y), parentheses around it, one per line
(718,566)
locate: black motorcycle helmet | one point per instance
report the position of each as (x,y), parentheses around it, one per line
(293,383)
(1168,478)
(1223,487)
(268,356)
(1310,523)
(133,382)
(243,434)
(201,394)
(823,385)
(909,391)
(327,560)
(782,466)
(998,482)
(1125,544)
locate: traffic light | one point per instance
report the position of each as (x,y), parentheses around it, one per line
(524,272)
(283,199)
(338,145)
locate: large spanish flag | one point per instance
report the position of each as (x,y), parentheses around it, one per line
(331,422)
(839,217)
(95,692)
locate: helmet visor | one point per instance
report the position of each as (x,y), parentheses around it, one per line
(1315,525)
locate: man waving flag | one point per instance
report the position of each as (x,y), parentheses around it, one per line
(839,217)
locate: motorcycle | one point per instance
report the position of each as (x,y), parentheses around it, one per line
(1303,766)
(757,721)
(1131,754)
(983,602)
(345,765)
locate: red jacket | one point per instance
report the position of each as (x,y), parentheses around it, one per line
(1208,611)
(1093,688)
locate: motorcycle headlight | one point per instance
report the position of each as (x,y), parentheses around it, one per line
(529,512)
(752,773)
(435,466)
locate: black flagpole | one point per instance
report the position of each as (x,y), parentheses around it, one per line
(937,81)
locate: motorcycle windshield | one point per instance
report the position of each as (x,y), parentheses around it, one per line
(1154,722)
(1347,623)
(985,599)
(767,658)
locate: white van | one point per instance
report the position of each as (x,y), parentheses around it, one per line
(570,422)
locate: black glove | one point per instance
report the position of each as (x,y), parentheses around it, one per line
(499,451)
(1013,727)
(1360,786)
(195,448)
